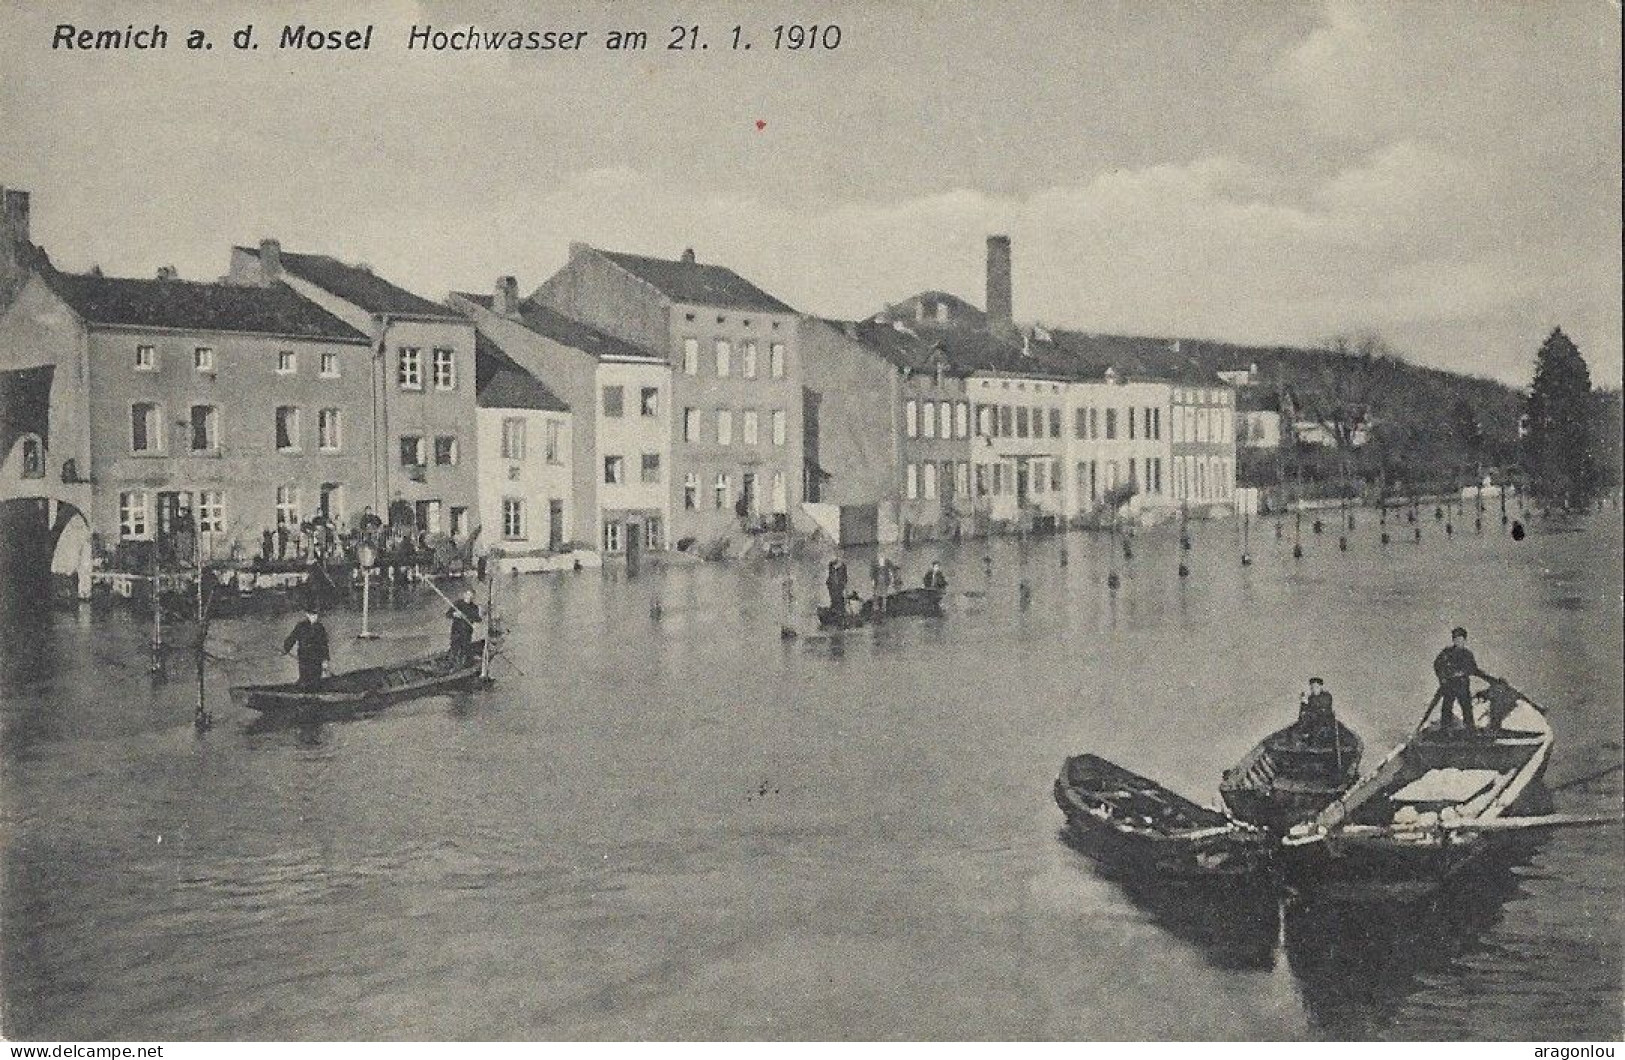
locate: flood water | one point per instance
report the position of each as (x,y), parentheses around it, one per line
(690,828)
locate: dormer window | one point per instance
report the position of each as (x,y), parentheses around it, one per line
(33,456)
(287,362)
(146,358)
(203,358)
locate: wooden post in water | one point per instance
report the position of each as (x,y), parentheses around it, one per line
(490,624)
(157,665)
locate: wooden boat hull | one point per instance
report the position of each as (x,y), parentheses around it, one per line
(1357,851)
(837,618)
(1286,779)
(1135,825)
(363,691)
(913,603)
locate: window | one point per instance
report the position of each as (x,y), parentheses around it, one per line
(1055,476)
(146,360)
(132,514)
(723,491)
(725,427)
(650,471)
(781,496)
(649,402)
(329,365)
(287,429)
(614,400)
(33,456)
(513,438)
(981,480)
(513,519)
(203,358)
(778,426)
(984,420)
(287,506)
(445,368)
(328,433)
(749,427)
(691,355)
(413,452)
(205,428)
(651,534)
(612,537)
(1054,423)
(445,450)
(911,484)
(911,418)
(928,419)
(614,470)
(724,358)
(962,419)
(691,491)
(409,368)
(1156,424)
(287,362)
(945,419)
(747,366)
(930,481)
(1006,422)
(146,428)
(1111,424)
(211,511)
(1037,477)
(691,425)
(1128,414)
(775,359)
(1080,423)
(555,442)
(1021,421)
(1094,423)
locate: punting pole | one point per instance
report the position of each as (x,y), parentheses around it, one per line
(490,622)
(157,665)
(200,717)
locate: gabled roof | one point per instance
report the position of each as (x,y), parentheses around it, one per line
(551,324)
(698,284)
(500,383)
(359,286)
(935,307)
(900,344)
(181,305)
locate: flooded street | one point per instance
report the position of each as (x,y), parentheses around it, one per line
(688,827)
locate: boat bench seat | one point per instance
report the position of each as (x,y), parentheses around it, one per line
(1446,786)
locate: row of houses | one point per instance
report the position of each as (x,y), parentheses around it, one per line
(626,403)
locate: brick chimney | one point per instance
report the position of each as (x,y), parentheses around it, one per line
(1000,298)
(688,255)
(167,272)
(505,299)
(271,260)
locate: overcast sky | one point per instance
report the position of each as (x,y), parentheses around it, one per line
(1444,174)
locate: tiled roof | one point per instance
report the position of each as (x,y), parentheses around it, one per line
(552,324)
(898,344)
(185,306)
(359,286)
(697,284)
(499,383)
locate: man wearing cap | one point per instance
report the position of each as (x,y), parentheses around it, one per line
(1315,708)
(1455,667)
(310,638)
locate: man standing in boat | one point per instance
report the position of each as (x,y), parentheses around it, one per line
(463,616)
(935,580)
(310,638)
(1315,716)
(835,582)
(1455,668)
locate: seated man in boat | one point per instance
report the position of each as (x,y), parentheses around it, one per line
(463,616)
(310,638)
(1316,721)
(854,604)
(935,580)
(1455,668)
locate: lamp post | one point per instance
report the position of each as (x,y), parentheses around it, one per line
(366,555)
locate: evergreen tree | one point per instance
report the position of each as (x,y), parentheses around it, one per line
(1559,448)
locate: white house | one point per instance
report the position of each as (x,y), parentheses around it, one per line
(525,460)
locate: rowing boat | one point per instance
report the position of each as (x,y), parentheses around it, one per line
(917,603)
(1437,803)
(1292,774)
(360,691)
(1132,822)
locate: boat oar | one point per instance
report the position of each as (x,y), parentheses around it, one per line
(1587,778)
(1550,820)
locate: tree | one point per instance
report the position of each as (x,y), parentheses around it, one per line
(1469,434)
(1559,446)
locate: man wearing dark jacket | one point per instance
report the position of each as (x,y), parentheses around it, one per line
(463,617)
(310,638)
(1455,668)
